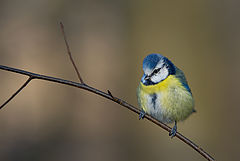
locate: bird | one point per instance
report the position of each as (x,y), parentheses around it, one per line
(163,92)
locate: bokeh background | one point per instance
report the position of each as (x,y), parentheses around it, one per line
(109,39)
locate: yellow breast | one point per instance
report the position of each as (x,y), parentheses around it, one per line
(174,101)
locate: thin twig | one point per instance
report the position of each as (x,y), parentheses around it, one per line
(19,90)
(70,54)
(110,94)
(110,97)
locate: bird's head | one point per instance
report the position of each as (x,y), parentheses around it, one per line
(156,68)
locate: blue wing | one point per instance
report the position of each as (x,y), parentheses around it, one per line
(180,75)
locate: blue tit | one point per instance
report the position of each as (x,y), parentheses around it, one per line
(163,92)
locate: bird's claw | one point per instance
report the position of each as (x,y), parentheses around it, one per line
(173,131)
(141,114)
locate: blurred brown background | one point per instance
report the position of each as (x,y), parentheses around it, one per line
(109,39)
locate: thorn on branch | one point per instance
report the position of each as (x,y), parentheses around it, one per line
(115,99)
(110,94)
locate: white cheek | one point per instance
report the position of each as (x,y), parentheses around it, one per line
(160,76)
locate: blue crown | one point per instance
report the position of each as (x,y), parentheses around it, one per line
(152,60)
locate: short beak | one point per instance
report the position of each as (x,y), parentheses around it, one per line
(146,77)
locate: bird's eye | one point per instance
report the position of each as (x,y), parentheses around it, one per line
(156,70)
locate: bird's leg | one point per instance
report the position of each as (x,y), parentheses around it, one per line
(141,114)
(173,132)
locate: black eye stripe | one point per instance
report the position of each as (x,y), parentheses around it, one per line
(155,71)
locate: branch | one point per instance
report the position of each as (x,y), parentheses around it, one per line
(19,90)
(70,54)
(110,97)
